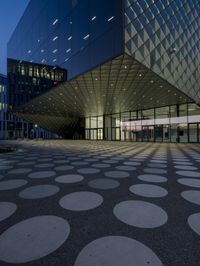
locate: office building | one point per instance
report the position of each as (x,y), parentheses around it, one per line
(133,68)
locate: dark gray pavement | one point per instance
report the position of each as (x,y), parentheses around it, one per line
(87,203)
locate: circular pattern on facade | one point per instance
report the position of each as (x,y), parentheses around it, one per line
(101,165)
(69,178)
(116,174)
(191,182)
(193,221)
(192,196)
(188,173)
(155,171)
(81,201)
(102,183)
(125,168)
(185,167)
(33,238)
(7,209)
(42,174)
(118,251)
(152,178)
(64,168)
(140,214)
(88,171)
(44,165)
(12,184)
(20,171)
(146,190)
(38,192)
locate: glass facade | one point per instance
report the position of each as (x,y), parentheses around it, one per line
(72,34)
(176,123)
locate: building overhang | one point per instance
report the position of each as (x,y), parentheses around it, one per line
(119,85)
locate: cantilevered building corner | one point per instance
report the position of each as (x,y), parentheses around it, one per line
(133,68)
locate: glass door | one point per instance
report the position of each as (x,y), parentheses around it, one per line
(193,132)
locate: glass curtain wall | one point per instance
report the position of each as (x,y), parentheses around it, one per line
(177,123)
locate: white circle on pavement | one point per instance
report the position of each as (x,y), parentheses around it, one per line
(44,165)
(125,168)
(110,161)
(146,190)
(63,168)
(79,163)
(191,182)
(192,196)
(117,174)
(116,251)
(156,165)
(152,178)
(140,214)
(69,178)
(100,165)
(88,171)
(188,173)
(12,184)
(155,171)
(185,167)
(60,161)
(7,209)
(38,192)
(33,238)
(103,183)
(5,167)
(26,163)
(193,221)
(20,171)
(132,163)
(42,174)
(81,201)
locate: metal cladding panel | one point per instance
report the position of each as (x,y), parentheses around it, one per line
(165,37)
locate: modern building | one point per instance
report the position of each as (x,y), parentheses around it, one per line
(133,68)
(12,127)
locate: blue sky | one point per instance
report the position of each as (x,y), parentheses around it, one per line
(10,13)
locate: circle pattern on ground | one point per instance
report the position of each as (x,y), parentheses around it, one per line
(185,167)
(188,173)
(44,165)
(7,209)
(132,163)
(102,183)
(191,182)
(155,171)
(63,168)
(88,171)
(125,168)
(193,221)
(81,201)
(39,236)
(146,190)
(118,251)
(20,171)
(69,178)
(116,174)
(38,192)
(100,165)
(12,184)
(152,178)
(192,196)
(42,174)
(140,214)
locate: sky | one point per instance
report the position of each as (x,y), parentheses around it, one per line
(10,13)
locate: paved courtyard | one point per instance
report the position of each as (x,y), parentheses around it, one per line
(87,203)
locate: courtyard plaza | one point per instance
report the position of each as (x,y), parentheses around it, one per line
(88,203)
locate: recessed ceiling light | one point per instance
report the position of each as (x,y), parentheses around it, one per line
(140,75)
(93,18)
(55,21)
(111,18)
(152,81)
(55,38)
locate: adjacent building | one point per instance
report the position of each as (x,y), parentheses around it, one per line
(133,68)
